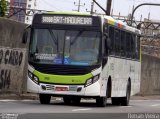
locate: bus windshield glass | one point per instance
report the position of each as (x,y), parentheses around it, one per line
(65,47)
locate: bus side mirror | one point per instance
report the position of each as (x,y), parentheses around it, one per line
(26,34)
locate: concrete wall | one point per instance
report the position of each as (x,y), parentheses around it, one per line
(13,62)
(150,75)
(12,56)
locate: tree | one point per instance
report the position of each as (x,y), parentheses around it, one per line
(3,7)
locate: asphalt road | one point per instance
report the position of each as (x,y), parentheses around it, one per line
(32,109)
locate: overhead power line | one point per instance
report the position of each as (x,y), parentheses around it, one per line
(46,2)
(66,1)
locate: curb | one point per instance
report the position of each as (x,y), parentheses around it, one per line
(19,96)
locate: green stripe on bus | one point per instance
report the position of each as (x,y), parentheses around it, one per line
(62,79)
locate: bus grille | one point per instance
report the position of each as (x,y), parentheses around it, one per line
(49,87)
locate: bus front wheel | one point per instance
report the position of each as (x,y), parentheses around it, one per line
(101,101)
(67,100)
(76,100)
(44,98)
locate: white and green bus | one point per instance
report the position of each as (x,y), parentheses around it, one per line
(74,56)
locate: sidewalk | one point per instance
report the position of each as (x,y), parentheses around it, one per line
(19,96)
(147,97)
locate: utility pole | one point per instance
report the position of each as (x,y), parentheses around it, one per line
(108,7)
(78,5)
(92,8)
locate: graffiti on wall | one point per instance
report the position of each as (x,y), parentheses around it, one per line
(5,78)
(11,57)
(10,61)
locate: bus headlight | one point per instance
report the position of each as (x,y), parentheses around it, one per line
(88,82)
(92,80)
(33,77)
(30,75)
(95,78)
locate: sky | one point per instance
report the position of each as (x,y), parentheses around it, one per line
(124,7)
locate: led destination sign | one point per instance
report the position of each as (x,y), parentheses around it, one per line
(69,20)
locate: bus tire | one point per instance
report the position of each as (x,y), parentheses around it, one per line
(44,98)
(125,100)
(101,101)
(116,101)
(67,100)
(76,100)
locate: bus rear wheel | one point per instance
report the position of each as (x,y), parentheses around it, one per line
(116,101)
(44,98)
(125,100)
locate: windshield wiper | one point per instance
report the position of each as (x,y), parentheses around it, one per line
(53,38)
(79,33)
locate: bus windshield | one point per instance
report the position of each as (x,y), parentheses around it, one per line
(67,47)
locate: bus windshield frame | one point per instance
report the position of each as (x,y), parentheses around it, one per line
(67,41)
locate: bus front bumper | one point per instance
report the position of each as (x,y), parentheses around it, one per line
(64,90)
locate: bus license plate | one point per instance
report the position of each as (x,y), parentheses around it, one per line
(61,89)
(72,88)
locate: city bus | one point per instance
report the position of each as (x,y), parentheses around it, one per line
(75,56)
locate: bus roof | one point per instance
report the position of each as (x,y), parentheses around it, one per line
(68,13)
(120,24)
(107,19)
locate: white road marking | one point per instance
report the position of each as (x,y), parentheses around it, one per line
(125,106)
(143,100)
(27,100)
(6,100)
(155,105)
(9,100)
(81,109)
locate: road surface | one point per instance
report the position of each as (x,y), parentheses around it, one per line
(32,109)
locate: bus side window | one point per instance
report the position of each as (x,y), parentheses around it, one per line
(111,36)
(137,47)
(123,44)
(128,45)
(117,41)
(105,48)
(133,46)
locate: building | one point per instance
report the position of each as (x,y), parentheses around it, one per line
(31,4)
(14,5)
(22,16)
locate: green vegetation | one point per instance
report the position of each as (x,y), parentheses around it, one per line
(3,7)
